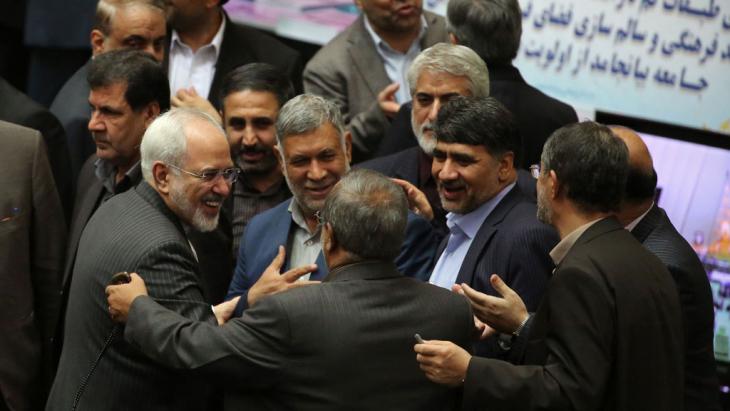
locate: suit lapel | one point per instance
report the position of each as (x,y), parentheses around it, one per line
(363,54)
(488,229)
(231,55)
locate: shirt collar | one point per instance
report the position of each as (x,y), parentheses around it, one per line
(383,45)
(216,42)
(106,172)
(470,223)
(561,250)
(630,226)
(298,217)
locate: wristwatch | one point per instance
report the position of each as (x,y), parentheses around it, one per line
(505,341)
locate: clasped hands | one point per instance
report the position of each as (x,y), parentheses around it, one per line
(445,362)
(120,297)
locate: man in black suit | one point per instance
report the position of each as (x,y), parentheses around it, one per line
(492,28)
(651,226)
(128,91)
(205,44)
(343,344)
(187,172)
(128,24)
(608,334)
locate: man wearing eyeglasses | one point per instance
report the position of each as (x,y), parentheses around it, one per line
(188,173)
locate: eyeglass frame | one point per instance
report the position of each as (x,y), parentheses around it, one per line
(206,178)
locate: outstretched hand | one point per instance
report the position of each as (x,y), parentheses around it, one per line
(272,282)
(504,314)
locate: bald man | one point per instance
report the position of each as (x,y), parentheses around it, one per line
(651,226)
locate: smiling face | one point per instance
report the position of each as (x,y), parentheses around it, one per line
(466,176)
(395,16)
(135,27)
(313,163)
(432,91)
(249,118)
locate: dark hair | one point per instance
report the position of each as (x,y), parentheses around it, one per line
(146,80)
(591,163)
(640,185)
(368,214)
(479,121)
(492,28)
(257,77)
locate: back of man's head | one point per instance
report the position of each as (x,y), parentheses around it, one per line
(479,121)
(456,60)
(368,214)
(105,10)
(258,77)
(305,113)
(144,77)
(591,165)
(642,179)
(492,28)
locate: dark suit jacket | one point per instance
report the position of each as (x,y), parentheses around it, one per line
(659,236)
(344,344)
(266,231)
(133,231)
(242,45)
(349,71)
(537,115)
(32,238)
(607,336)
(18,108)
(71,106)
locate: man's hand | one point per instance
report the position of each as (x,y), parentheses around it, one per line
(190,98)
(386,100)
(443,361)
(504,314)
(120,297)
(417,201)
(224,310)
(272,282)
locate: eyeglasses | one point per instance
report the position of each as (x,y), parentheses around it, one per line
(535,171)
(208,176)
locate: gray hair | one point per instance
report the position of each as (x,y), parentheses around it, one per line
(305,113)
(165,139)
(105,10)
(455,60)
(368,214)
(492,28)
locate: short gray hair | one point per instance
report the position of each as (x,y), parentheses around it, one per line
(368,214)
(305,113)
(165,139)
(455,60)
(105,10)
(492,28)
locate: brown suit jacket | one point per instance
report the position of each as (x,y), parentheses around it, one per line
(32,240)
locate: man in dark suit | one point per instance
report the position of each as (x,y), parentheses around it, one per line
(608,334)
(651,226)
(314,151)
(135,24)
(19,109)
(187,172)
(492,28)
(205,45)
(32,237)
(492,224)
(363,69)
(128,91)
(342,344)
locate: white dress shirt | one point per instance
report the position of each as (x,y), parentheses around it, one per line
(194,69)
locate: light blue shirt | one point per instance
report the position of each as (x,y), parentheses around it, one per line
(396,64)
(463,228)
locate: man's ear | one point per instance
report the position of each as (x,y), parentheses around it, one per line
(348,146)
(554,185)
(330,240)
(161,177)
(151,111)
(279,156)
(97,42)
(453,39)
(506,166)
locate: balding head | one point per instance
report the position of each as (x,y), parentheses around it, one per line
(641,184)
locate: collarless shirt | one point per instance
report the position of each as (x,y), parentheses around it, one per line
(463,228)
(305,245)
(248,202)
(194,69)
(396,64)
(559,252)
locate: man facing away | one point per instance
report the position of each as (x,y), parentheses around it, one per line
(343,344)
(608,334)
(187,172)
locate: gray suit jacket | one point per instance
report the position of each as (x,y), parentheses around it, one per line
(349,71)
(32,237)
(344,344)
(133,231)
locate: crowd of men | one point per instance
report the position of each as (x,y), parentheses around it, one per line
(418,229)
